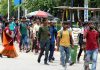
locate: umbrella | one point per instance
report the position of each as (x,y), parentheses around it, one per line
(39,14)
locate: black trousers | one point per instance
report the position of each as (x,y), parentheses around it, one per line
(80,51)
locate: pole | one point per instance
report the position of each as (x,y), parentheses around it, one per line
(71,12)
(8,10)
(78,13)
(66,10)
(85,11)
(25,12)
(18,13)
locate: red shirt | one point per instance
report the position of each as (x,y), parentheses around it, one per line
(91,40)
(8,30)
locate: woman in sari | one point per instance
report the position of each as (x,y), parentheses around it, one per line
(9,49)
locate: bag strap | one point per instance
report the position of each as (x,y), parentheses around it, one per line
(61,33)
(71,39)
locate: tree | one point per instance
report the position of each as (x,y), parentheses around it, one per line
(4,7)
(98,3)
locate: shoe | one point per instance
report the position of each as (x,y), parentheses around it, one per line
(53,58)
(78,61)
(87,68)
(1,55)
(20,50)
(71,63)
(28,51)
(63,65)
(51,61)
(8,57)
(46,63)
(38,60)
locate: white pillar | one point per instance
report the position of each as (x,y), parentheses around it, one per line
(8,10)
(25,12)
(19,13)
(72,17)
(78,13)
(86,10)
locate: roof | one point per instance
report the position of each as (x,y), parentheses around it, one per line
(77,8)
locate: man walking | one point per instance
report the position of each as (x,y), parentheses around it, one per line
(24,35)
(53,34)
(64,43)
(44,39)
(92,47)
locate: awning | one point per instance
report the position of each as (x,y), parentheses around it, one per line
(77,8)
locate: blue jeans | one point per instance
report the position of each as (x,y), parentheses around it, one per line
(52,48)
(65,54)
(24,40)
(94,54)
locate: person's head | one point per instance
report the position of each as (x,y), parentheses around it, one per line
(23,19)
(16,20)
(91,25)
(85,24)
(45,21)
(6,24)
(66,24)
(79,20)
(37,21)
(10,20)
(51,23)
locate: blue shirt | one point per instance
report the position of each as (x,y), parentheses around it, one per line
(53,33)
(12,26)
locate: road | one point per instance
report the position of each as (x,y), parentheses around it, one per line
(28,61)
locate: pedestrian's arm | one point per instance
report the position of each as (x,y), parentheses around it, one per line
(98,41)
(85,34)
(58,40)
(19,27)
(98,46)
(39,33)
(55,34)
(58,43)
(71,40)
(7,32)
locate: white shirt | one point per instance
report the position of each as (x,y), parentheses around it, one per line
(35,29)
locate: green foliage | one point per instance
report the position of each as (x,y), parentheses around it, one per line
(4,7)
(98,3)
(46,5)
(32,5)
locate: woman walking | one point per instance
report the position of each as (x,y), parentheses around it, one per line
(9,49)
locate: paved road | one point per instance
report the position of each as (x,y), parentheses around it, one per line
(28,61)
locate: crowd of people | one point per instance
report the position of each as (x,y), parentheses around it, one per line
(41,35)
